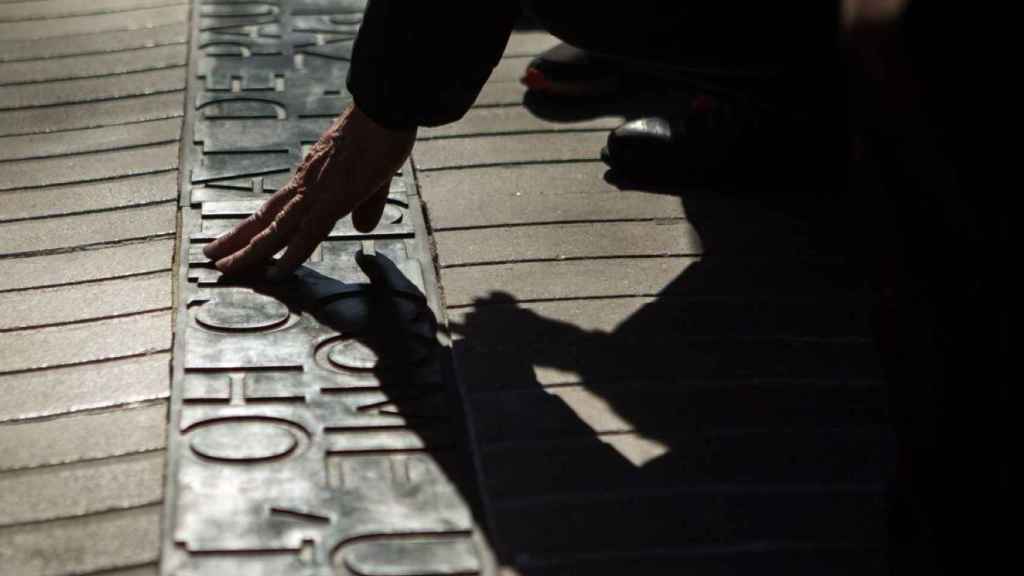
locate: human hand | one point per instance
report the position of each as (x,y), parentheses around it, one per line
(348,170)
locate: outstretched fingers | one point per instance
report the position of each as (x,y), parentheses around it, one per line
(269,240)
(315,228)
(366,216)
(241,235)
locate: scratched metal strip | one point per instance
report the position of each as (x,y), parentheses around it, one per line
(312,428)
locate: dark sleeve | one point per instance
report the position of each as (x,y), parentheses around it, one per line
(423,63)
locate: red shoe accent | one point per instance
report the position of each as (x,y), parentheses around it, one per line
(534,80)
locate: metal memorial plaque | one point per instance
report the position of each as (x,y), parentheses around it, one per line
(313,429)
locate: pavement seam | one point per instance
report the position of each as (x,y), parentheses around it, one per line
(525,132)
(96,151)
(94,76)
(83,460)
(85,320)
(100,12)
(88,246)
(7,58)
(85,515)
(573,259)
(142,354)
(658,220)
(151,9)
(92,100)
(117,405)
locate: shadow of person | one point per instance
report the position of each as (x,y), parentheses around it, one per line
(734,423)
(392,346)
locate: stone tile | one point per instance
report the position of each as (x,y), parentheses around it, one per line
(585,463)
(510,69)
(30,236)
(91,196)
(514,149)
(501,94)
(38,10)
(569,279)
(74,25)
(86,387)
(86,265)
(71,490)
(529,43)
(69,67)
(149,570)
(27,308)
(562,241)
(570,192)
(86,342)
(92,89)
(691,517)
(89,140)
(685,412)
(511,119)
(717,560)
(18,50)
(604,315)
(81,437)
(91,166)
(92,114)
(108,541)
(835,317)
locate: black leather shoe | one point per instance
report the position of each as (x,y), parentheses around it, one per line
(690,147)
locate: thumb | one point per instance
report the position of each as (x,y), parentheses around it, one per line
(366,216)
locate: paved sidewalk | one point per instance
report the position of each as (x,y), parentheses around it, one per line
(653,381)
(91,100)
(673,381)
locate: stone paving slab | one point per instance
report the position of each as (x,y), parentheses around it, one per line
(92,89)
(32,236)
(73,25)
(511,120)
(69,199)
(500,94)
(702,515)
(83,437)
(92,96)
(23,50)
(92,65)
(47,9)
(89,166)
(508,149)
(839,318)
(813,458)
(89,140)
(553,280)
(103,542)
(86,342)
(86,265)
(509,69)
(566,241)
(529,43)
(38,394)
(534,194)
(71,490)
(91,114)
(118,297)
(676,404)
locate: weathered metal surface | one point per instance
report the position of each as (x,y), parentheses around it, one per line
(312,428)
